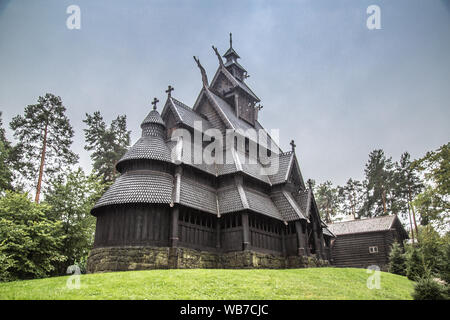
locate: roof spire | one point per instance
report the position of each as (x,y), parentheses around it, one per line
(154,102)
(231,40)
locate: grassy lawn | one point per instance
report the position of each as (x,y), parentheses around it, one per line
(313,283)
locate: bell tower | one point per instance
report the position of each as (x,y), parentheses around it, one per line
(232,65)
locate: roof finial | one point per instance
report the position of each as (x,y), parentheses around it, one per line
(231,40)
(310,184)
(169,91)
(154,102)
(293,145)
(218,56)
(203,72)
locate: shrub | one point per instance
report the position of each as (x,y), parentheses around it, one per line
(428,289)
(397,260)
(29,242)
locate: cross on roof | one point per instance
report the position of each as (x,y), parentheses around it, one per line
(169,90)
(293,145)
(154,102)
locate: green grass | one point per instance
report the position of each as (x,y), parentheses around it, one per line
(314,283)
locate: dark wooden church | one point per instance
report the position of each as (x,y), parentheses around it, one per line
(167,211)
(364,242)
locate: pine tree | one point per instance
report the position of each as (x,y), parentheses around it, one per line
(397,260)
(6,172)
(415,264)
(11,164)
(108,144)
(407,186)
(45,135)
(379,180)
(351,196)
(327,200)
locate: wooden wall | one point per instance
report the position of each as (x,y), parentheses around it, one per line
(353,250)
(134,224)
(144,225)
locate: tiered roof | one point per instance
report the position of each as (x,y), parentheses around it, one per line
(150,186)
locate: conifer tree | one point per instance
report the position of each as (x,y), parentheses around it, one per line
(397,260)
(379,180)
(351,195)
(327,200)
(45,136)
(108,144)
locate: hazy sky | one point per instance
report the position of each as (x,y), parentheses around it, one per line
(325,80)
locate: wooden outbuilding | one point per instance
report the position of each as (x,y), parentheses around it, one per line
(361,243)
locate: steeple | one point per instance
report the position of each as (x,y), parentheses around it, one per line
(232,65)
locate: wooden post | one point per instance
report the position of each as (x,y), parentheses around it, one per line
(245,231)
(322,247)
(174,230)
(218,233)
(283,241)
(302,249)
(317,245)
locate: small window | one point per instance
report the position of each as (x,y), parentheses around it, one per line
(373,249)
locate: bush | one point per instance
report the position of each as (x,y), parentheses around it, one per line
(445,265)
(428,289)
(29,242)
(397,260)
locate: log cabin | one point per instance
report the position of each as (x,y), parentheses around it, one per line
(361,243)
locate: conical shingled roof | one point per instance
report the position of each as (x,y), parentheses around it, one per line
(152,144)
(153,117)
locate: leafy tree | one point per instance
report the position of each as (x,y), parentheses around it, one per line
(397,260)
(70,199)
(45,135)
(351,196)
(108,144)
(29,241)
(433,203)
(327,200)
(379,177)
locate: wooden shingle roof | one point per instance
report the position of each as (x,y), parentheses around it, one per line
(383,223)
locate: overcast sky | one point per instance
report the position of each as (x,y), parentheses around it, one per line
(337,88)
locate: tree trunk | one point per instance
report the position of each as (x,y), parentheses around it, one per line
(414,214)
(41,167)
(328,214)
(353,206)
(410,223)
(383,196)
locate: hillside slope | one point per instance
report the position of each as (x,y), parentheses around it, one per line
(314,283)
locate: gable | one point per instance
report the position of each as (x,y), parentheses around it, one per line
(294,175)
(205,108)
(221,83)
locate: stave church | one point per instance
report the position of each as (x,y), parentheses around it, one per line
(167,210)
